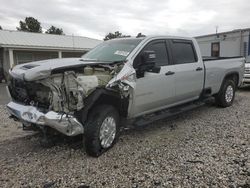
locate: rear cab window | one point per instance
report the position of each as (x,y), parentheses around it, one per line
(183,51)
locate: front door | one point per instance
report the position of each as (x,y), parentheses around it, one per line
(155,90)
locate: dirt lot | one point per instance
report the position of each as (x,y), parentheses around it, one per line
(206,147)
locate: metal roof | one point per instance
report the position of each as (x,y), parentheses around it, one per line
(227,32)
(20,39)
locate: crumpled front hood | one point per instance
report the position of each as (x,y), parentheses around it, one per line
(42,69)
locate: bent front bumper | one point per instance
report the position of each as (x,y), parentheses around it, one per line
(64,123)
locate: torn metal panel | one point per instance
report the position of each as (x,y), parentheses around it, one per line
(126,75)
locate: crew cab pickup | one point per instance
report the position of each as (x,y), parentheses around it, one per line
(121,82)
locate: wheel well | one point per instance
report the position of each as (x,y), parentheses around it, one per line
(233,76)
(230,76)
(103,96)
(121,104)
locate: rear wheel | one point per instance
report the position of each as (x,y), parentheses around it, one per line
(102,130)
(226,95)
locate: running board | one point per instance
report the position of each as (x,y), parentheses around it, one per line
(162,114)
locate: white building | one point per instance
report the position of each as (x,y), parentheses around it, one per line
(226,44)
(21,47)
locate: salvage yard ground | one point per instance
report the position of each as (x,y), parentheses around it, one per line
(206,147)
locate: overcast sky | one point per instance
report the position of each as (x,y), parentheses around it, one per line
(95,18)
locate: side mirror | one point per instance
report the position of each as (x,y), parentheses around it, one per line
(148,61)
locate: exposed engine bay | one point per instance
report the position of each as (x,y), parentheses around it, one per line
(68,89)
(59,93)
(65,90)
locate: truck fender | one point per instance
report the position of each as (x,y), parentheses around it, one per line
(233,75)
(95,98)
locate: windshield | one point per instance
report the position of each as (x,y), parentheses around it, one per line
(112,50)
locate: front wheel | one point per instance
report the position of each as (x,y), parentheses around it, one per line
(226,95)
(101,130)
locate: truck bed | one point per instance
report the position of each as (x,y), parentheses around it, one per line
(217,68)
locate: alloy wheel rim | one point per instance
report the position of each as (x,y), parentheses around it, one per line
(107,132)
(229,94)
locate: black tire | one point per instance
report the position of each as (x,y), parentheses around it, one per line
(220,98)
(92,129)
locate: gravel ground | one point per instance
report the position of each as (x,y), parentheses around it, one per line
(206,147)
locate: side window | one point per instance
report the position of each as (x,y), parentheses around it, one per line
(24,57)
(183,52)
(159,47)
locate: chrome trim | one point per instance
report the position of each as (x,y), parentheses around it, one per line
(107,132)
(229,94)
(246,80)
(64,123)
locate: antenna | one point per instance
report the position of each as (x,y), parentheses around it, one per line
(216,29)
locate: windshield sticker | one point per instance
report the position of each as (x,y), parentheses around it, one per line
(122,53)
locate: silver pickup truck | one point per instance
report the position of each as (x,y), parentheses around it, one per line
(121,82)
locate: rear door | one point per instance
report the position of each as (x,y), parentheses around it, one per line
(155,90)
(189,71)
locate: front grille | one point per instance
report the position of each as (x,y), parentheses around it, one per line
(29,93)
(18,90)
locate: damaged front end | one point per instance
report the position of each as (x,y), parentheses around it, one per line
(55,96)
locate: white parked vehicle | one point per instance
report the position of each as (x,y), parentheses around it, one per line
(246,79)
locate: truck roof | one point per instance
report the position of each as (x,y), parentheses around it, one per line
(156,37)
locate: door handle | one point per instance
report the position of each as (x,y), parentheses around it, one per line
(169,73)
(199,69)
